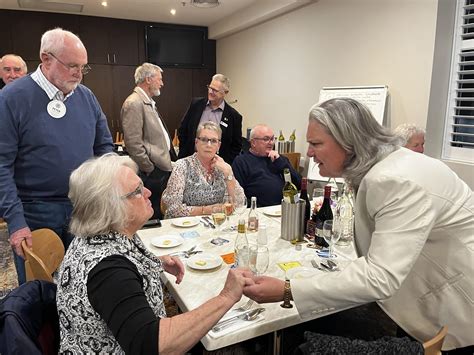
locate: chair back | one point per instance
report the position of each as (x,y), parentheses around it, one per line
(433,346)
(44,257)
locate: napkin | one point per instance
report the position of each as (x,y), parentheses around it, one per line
(236,325)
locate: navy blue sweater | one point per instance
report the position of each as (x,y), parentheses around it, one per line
(37,152)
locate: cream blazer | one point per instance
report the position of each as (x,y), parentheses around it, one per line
(143,135)
(414,228)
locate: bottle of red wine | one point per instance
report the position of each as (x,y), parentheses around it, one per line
(324,213)
(304,196)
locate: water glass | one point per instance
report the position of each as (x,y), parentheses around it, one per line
(259,258)
(240,205)
(329,236)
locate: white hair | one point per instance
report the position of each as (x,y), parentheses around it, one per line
(146,70)
(52,41)
(96,196)
(210,126)
(223,79)
(408,130)
(24,68)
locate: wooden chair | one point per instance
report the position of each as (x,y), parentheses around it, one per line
(294,159)
(45,256)
(433,346)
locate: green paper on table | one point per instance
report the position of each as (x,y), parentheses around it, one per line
(289,265)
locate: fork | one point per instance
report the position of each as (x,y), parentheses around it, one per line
(245,307)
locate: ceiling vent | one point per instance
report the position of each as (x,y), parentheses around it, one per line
(205,3)
(50,5)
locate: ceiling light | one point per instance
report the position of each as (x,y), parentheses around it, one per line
(50,5)
(104,3)
(173,12)
(205,3)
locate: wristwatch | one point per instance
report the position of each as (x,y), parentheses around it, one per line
(287,295)
(229,177)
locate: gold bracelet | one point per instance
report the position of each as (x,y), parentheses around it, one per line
(287,295)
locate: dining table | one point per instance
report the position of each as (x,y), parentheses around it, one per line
(204,280)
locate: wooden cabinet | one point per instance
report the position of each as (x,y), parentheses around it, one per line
(111,84)
(110,41)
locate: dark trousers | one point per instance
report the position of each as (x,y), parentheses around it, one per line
(156,182)
(40,214)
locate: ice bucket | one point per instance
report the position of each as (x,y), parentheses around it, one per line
(292,220)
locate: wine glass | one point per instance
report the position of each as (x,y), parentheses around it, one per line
(240,205)
(329,235)
(258,259)
(218,216)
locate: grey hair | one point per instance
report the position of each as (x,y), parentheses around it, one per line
(24,68)
(254,129)
(210,126)
(408,130)
(52,41)
(223,79)
(146,70)
(354,128)
(96,196)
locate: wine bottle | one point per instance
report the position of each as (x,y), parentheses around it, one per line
(324,213)
(281,137)
(253,216)
(293,136)
(241,246)
(289,189)
(304,196)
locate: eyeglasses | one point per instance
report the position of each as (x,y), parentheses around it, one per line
(266,139)
(138,192)
(84,69)
(204,140)
(214,91)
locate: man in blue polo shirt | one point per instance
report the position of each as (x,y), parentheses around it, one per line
(50,125)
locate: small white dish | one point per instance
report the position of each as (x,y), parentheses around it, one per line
(276,212)
(185,222)
(204,261)
(167,241)
(301,272)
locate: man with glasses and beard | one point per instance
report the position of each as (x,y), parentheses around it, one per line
(260,170)
(50,124)
(214,108)
(146,136)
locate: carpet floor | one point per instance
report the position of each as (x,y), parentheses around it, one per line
(8,279)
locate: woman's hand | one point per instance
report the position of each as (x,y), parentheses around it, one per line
(221,165)
(234,284)
(263,289)
(173,266)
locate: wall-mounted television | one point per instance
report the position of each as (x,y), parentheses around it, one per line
(175,46)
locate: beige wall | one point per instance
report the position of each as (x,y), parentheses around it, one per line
(277,68)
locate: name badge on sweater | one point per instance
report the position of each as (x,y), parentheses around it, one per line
(56,109)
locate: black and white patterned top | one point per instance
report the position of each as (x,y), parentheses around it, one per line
(190,185)
(82,328)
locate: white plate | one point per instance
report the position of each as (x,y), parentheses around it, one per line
(301,272)
(204,261)
(167,241)
(185,222)
(273,212)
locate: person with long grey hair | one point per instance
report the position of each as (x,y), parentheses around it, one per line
(413,233)
(109,295)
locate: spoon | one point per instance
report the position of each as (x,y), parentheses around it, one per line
(248,316)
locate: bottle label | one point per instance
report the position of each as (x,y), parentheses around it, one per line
(311,228)
(253,224)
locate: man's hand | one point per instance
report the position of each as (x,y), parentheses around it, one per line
(17,237)
(234,284)
(264,289)
(273,155)
(173,266)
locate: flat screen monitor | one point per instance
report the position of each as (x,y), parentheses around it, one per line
(175,46)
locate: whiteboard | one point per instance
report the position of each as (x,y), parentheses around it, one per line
(374,97)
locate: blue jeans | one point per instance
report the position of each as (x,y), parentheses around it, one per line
(41,214)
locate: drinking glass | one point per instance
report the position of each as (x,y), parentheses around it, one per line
(329,236)
(258,259)
(218,216)
(240,205)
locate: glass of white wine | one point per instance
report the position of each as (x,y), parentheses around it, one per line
(259,258)
(218,216)
(330,236)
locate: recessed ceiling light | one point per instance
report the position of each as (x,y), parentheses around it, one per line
(173,12)
(104,3)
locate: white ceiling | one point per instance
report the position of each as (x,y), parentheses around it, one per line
(227,18)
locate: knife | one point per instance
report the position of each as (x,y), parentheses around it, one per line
(209,221)
(247,315)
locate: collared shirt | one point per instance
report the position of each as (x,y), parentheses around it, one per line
(153,104)
(52,91)
(213,115)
